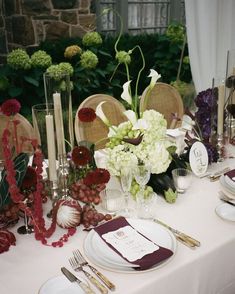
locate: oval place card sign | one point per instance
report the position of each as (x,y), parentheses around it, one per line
(198,158)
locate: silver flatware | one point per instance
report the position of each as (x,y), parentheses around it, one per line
(191,242)
(226,199)
(215,176)
(72,278)
(78,267)
(78,255)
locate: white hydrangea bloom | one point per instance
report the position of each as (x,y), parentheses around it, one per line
(119,158)
(159,158)
(152,150)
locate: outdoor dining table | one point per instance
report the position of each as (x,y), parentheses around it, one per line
(208,269)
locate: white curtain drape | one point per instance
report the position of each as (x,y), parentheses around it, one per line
(211,33)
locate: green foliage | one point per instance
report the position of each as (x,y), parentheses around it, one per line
(20,166)
(161,54)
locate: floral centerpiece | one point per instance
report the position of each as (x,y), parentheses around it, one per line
(140,139)
(143,137)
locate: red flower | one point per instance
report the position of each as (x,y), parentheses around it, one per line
(86,114)
(10,107)
(30,178)
(98,176)
(81,155)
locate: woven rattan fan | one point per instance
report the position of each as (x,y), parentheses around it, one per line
(24,128)
(164,99)
(97,130)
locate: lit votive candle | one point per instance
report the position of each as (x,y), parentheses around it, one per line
(182,179)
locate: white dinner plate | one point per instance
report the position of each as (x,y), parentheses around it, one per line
(60,285)
(102,255)
(228,190)
(226,211)
(228,182)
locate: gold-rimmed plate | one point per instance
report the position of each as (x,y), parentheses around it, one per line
(60,284)
(226,211)
(99,253)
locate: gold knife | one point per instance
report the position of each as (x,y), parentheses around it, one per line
(186,237)
(72,278)
(184,241)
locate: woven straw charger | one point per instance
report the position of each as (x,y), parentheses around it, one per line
(24,128)
(97,131)
(164,99)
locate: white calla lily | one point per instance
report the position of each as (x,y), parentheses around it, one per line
(154,75)
(112,131)
(187,123)
(126,93)
(141,124)
(99,112)
(131,115)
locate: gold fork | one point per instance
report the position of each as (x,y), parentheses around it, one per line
(78,255)
(78,267)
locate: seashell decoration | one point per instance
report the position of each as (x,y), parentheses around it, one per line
(69,214)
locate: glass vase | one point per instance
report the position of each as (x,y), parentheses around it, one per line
(58,91)
(230,96)
(47,142)
(39,112)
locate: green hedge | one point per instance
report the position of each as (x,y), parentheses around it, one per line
(161,54)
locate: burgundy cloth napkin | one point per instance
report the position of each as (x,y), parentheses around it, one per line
(230,177)
(146,261)
(231,174)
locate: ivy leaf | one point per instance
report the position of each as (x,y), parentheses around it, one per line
(101,72)
(31,81)
(20,164)
(105,53)
(14,92)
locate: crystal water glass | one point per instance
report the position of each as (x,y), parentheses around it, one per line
(144,202)
(126,180)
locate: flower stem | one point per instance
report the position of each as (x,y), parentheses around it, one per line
(120,32)
(138,78)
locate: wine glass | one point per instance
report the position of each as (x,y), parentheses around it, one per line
(126,180)
(142,176)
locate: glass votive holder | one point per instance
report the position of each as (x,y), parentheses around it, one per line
(182,179)
(112,200)
(146,206)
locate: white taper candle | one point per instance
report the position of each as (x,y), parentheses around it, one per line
(51,147)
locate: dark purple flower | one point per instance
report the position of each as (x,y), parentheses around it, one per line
(206,99)
(206,115)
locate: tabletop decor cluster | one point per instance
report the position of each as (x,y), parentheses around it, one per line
(141,139)
(23,188)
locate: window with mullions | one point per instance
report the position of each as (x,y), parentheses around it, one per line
(138,16)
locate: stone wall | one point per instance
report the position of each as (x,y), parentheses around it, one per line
(25,23)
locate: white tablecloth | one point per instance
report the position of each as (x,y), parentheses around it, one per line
(209,269)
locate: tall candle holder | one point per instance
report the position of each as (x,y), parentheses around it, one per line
(219,92)
(58,92)
(230,95)
(63,176)
(220,148)
(43,123)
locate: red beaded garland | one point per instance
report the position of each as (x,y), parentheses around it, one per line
(35,213)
